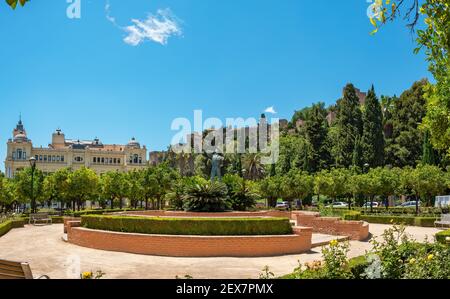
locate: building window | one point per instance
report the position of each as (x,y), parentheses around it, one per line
(103,160)
(40,157)
(78,159)
(62,158)
(19,154)
(53,159)
(118,161)
(140,160)
(110,161)
(58,158)
(24,156)
(94,160)
(45,158)
(36,157)
(135,159)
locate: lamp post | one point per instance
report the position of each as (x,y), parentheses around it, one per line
(33,167)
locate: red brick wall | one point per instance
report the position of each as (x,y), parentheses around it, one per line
(192,246)
(355,230)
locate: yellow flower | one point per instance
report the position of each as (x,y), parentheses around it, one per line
(86,275)
(412,261)
(430,257)
(334,243)
(392,220)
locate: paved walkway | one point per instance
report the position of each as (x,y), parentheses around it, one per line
(47,254)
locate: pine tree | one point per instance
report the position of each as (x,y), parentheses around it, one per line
(372,141)
(349,126)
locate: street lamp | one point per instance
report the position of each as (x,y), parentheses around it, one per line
(33,167)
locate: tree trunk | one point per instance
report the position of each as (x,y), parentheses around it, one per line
(146,204)
(417,205)
(112,203)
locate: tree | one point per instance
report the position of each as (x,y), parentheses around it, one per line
(13,3)
(372,140)
(434,39)
(298,185)
(272,188)
(82,185)
(405,148)
(25,191)
(242,193)
(206,196)
(428,156)
(254,169)
(156,182)
(349,126)
(333,183)
(428,182)
(316,129)
(134,190)
(56,186)
(113,187)
(387,182)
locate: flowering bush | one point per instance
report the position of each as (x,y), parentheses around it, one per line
(396,256)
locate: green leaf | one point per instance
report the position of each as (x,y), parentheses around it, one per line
(12,3)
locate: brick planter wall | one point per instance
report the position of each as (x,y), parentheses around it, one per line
(355,230)
(191,246)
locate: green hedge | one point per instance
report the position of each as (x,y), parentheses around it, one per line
(97,212)
(407,220)
(441,236)
(424,211)
(352,215)
(6,226)
(189,226)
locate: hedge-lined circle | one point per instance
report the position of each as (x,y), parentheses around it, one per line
(189,226)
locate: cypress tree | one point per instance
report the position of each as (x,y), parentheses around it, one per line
(357,159)
(316,128)
(373,138)
(428,156)
(349,126)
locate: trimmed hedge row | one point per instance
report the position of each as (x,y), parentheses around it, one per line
(189,226)
(97,212)
(407,220)
(441,236)
(6,226)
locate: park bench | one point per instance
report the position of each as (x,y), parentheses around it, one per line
(17,270)
(444,222)
(40,217)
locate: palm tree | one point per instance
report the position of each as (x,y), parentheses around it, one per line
(206,197)
(254,169)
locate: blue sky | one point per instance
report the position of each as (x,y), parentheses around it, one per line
(229,58)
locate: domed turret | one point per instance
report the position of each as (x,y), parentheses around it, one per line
(20,137)
(133,143)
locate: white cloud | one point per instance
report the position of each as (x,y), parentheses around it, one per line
(270,110)
(157,28)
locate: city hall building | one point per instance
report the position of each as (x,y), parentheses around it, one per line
(74,154)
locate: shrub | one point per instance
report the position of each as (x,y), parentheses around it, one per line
(8,225)
(442,236)
(406,220)
(206,197)
(5,227)
(96,212)
(189,226)
(352,215)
